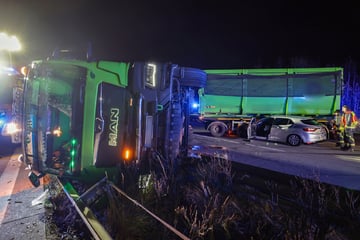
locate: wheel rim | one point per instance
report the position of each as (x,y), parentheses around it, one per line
(217,129)
(294,140)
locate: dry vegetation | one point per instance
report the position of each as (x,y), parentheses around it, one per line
(202,203)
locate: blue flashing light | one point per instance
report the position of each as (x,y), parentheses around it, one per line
(8,71)
(2,119)
(2,122)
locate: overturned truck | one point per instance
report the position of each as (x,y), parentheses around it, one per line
(83,118)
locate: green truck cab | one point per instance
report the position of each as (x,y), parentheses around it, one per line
(85,118)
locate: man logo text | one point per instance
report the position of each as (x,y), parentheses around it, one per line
(113,127)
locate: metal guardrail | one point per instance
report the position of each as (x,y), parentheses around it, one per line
(96,229)
(171,228)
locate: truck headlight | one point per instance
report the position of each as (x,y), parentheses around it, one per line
(150,79)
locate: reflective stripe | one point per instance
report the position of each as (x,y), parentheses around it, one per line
(349,119)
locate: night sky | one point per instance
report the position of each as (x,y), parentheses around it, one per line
(205,34)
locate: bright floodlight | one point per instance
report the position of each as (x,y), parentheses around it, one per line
(9,43)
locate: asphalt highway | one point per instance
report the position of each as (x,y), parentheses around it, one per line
(22,212)
(322,161)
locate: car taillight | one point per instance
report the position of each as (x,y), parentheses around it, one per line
(307,129)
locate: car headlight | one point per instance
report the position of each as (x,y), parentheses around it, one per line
(10,129)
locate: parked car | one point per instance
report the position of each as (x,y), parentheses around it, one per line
(293,130)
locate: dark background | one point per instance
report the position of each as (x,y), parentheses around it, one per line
(204,34)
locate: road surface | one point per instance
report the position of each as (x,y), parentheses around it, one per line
(321,161)
(22,214)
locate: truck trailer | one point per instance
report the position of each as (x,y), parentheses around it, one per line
(232,97)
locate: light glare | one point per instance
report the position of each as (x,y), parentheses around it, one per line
(127,154)
(9,43)
(57,132)
(10,128)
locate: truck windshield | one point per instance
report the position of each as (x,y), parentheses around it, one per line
(53,110)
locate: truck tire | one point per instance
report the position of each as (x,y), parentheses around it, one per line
(242,130)
(192,77)
(217,129)
(176,126)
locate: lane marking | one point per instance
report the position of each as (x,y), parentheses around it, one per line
(349,158)
(7,183)
(217,139)
(267,148)
(248,144)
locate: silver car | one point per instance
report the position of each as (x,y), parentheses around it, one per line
(292,130)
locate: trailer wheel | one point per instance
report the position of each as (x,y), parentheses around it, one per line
(217,129)
(192,77)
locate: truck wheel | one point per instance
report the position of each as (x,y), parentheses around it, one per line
(192,77)
(176,126)
(293,140)
(218,129)
(242,130)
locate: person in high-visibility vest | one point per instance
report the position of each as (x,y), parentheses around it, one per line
(348,124)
